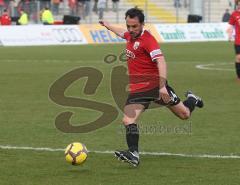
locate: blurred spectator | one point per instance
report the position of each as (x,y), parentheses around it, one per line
(5,19)
(87,8)
(229,3)
(186,3)
(95,6)
(106,6)
(55,6)
(25,5)
(80,8)
(177,3)
(23,20)
(33,14)
(115,5)
(73,7)
(2,6)
(47,16)
(6,3)
(235,4)
(13,7)
(101,8)
(226,16)
(45,3)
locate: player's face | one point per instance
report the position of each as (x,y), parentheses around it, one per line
(134,26)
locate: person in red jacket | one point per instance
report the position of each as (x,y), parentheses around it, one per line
(5,19)
(234,24)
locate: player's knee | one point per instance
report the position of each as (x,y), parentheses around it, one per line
(184,115)
(127,121)
(238,58)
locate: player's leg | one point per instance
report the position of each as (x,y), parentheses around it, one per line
(131,114)
(180,110)
(184,109)
(237,66)
(135,105)
(237,63)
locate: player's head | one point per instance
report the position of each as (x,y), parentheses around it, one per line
(21,11)
(135,21)
(238,5)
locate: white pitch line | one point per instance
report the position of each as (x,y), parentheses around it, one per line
(213,67)
(8,147)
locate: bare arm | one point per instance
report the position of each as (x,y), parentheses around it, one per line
(230,32)
(162,68)
(118,31)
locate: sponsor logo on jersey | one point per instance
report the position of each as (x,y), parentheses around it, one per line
(136,45)
(130,54)
(156,52)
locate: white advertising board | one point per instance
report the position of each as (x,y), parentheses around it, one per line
(192,32)
(41,35)
(33,35)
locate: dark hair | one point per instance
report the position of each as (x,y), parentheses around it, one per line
(135,12)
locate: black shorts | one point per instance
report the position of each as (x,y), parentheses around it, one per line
(237,49)
(146,97)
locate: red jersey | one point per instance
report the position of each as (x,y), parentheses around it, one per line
(5,20)
(142,70)
(235,21)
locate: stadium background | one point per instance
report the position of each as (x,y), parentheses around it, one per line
(164,11)
(202,150)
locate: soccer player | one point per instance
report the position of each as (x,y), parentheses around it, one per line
(147,72)
(234,22)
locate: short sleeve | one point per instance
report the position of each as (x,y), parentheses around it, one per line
(126,35)
(152,47)
(232,20)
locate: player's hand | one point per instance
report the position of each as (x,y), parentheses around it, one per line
(101,22)
(230,37)
(164,96)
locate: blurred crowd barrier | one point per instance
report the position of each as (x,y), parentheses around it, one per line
(90,11)
(34,35)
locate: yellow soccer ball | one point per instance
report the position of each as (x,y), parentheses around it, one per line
(76,153)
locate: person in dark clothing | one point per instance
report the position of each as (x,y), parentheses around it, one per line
(226,16)
(115,5)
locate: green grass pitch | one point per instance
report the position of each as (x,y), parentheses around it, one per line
(27,117)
